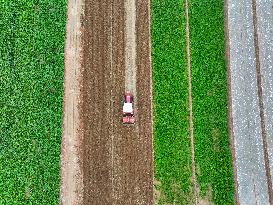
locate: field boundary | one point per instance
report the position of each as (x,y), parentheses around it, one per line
(151,95)
(195,193)
(71,165)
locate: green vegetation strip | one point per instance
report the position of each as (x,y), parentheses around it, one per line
(31,87)
(172,156)
(209,91)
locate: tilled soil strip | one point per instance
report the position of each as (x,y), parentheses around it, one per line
(190,104)
(118,165)
(71,155)
(97,109)
(248,141)
(144,106)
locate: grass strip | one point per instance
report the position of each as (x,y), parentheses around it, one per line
(172,156)
(209,86)
(31,76)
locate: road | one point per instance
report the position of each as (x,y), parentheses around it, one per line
(250,63)
(265,40)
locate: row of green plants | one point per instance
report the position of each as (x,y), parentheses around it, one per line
(31,86)
(172,156)
(209,93)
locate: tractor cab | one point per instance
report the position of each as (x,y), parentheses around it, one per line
(128,109)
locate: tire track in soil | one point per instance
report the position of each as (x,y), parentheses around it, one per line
(130,46)
(121,174)
(261,104)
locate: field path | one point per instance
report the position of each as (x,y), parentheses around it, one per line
(194,182)
(71,167)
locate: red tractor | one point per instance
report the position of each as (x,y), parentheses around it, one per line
(128,110)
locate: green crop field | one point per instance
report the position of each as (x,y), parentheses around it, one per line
(31,86)
(172,157)
(209,88)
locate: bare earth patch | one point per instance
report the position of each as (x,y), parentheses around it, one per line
(207,200)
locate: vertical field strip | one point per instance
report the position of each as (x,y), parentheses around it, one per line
(172,152)
(209,102)
(72,177)
(112,99)
(31,79)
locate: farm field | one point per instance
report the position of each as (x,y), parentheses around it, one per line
(117,158)
(31,85)
(209,93)
(172,156)
(117,161)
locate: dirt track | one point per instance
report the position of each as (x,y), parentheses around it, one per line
(117,160)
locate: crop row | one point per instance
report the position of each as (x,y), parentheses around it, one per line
(31,76)
(172,157)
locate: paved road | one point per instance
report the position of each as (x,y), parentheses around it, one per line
(117,159)
(251,99)
(265,37)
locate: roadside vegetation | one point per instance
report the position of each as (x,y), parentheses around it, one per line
(209,92)
(172,156)
(31,86)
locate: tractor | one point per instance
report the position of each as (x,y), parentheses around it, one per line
(128,109)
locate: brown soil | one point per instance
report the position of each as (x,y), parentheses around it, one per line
(117,159)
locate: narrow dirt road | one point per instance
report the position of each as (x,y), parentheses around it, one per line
(117,159)
(71,153)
